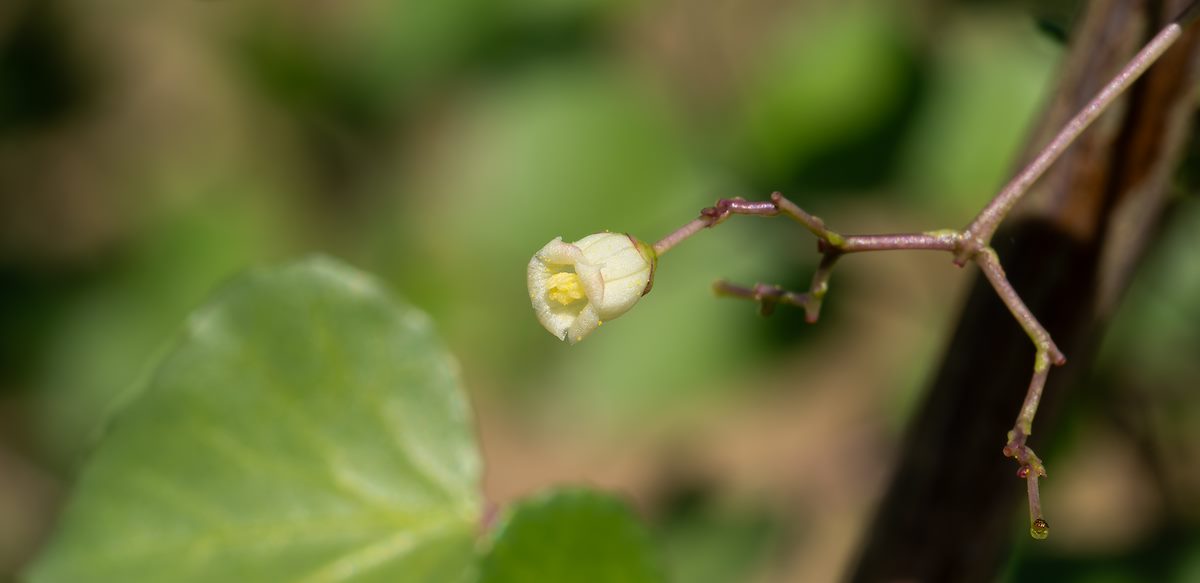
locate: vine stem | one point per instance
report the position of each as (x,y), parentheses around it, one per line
(969,244)
(980,230)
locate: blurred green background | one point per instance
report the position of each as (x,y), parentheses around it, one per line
(149,151)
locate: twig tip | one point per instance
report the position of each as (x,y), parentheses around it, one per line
(1040,529)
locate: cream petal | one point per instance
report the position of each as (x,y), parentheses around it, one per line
(592,278)
(558,253)
(622,294)
(613,270)
(599,247)
(554,317)
(625,271)
(624,263)
(587,320)
(559,319)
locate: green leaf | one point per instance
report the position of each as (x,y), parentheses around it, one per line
(570,535)
(307,426)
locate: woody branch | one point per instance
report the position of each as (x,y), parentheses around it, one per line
(972,244)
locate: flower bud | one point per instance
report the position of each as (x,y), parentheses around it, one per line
(575,287)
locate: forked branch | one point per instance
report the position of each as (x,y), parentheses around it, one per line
(972,243)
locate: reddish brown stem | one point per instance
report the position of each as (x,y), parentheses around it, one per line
(970,244)
(981,229)
(833,245)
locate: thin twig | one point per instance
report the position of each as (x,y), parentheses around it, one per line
(989,263)
(833,245)
(768,296)
(1038,527)
(980,231)
(682,233)
(933,241)
(970,244)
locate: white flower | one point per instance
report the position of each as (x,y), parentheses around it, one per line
(575,287)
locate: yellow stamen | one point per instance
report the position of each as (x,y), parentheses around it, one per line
(565,288)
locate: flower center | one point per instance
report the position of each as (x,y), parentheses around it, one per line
(565,288)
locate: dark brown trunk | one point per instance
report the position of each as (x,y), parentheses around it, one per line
(953,508)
